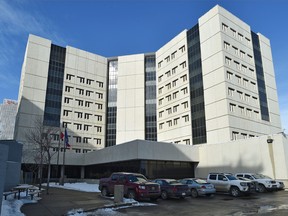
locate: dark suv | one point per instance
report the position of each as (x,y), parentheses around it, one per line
(136,186)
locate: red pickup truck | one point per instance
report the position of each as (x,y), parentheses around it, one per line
(136,186)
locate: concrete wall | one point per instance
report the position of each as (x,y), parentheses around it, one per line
(130,98)
(3,158)
(249,155)
(173,98)
(13,163)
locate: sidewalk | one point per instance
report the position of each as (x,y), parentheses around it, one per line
(60,201)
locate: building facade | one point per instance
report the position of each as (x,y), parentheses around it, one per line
(8,111)
(211,84)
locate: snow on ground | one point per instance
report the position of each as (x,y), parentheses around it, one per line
(11,206)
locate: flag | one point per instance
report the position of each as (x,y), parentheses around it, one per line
(61,135)
(66,139)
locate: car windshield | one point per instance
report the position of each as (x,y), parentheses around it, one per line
(171,181)
(231,177)
(200,181)
(137,179)
(260,176)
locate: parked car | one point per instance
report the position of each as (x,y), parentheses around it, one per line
(280,185)
(228,183)
(199,187)
(253,185)
(171,188)
(136,186)
(265,183)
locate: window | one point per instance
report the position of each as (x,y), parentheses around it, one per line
(80,102)
(173,55)
(236,51)
(66,112)
(186,141)
(231,91)
(78,126)
(247,40)
(78,139)
(88,92)
(87,115)
(167,58)
(68,88)
(174,70)
(247,97)
(88,103)
(245,82)
(224,27)
(81,79)
(69,76)
(160,90)
(249,112)
(226,45)
(237,64)
(168,97)
(100,84)
(250,58)
(183,64)
(169,123)
(227,60)
(98,129)
(240,94)
(242,54)
(161,126)
(86,127)
(174,83)
(99,106)
(240,36)
(234,135)
(184,90)
(67,100)
(160,101)
(232,107)
(79,114)
(244,135)
(184,78)
(175,108)
(233,32)
(98,141)
(169,110)
(244,68)
(89,81)
(238,79)
(253,84)
(182,49)
(98,117)
(160,78)
(99,95)
(168,73)
(186,118)
(161,114)
(80,91)
(175,95)
(242,111)
(185,104)
(168,86)
(159,64)
(175,121)
(256,114)
(229,75)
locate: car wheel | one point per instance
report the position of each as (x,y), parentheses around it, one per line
(104,192)
(235,192)
(261,188)
(131,194)
(194,193)
(164,195)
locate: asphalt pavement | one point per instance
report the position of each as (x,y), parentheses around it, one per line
(61,201)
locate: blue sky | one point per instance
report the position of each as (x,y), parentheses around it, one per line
(119,27)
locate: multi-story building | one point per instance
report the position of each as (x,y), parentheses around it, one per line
(8,111)
(211,84)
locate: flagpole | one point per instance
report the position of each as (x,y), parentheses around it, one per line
(57,168)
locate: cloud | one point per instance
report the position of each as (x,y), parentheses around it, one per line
(18,19)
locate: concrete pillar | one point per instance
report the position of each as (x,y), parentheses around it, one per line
(118,193)
(82,172)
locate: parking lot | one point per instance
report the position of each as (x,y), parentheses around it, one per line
(274,203)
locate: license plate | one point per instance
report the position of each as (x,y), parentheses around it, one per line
(183,194)
(153,188)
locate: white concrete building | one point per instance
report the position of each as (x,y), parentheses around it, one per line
(211,87)
(8,111)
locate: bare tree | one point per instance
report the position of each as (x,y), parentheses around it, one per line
(41,137)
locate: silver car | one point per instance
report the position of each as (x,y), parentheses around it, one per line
(199,187)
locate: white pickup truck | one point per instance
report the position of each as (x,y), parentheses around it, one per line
(265,183)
